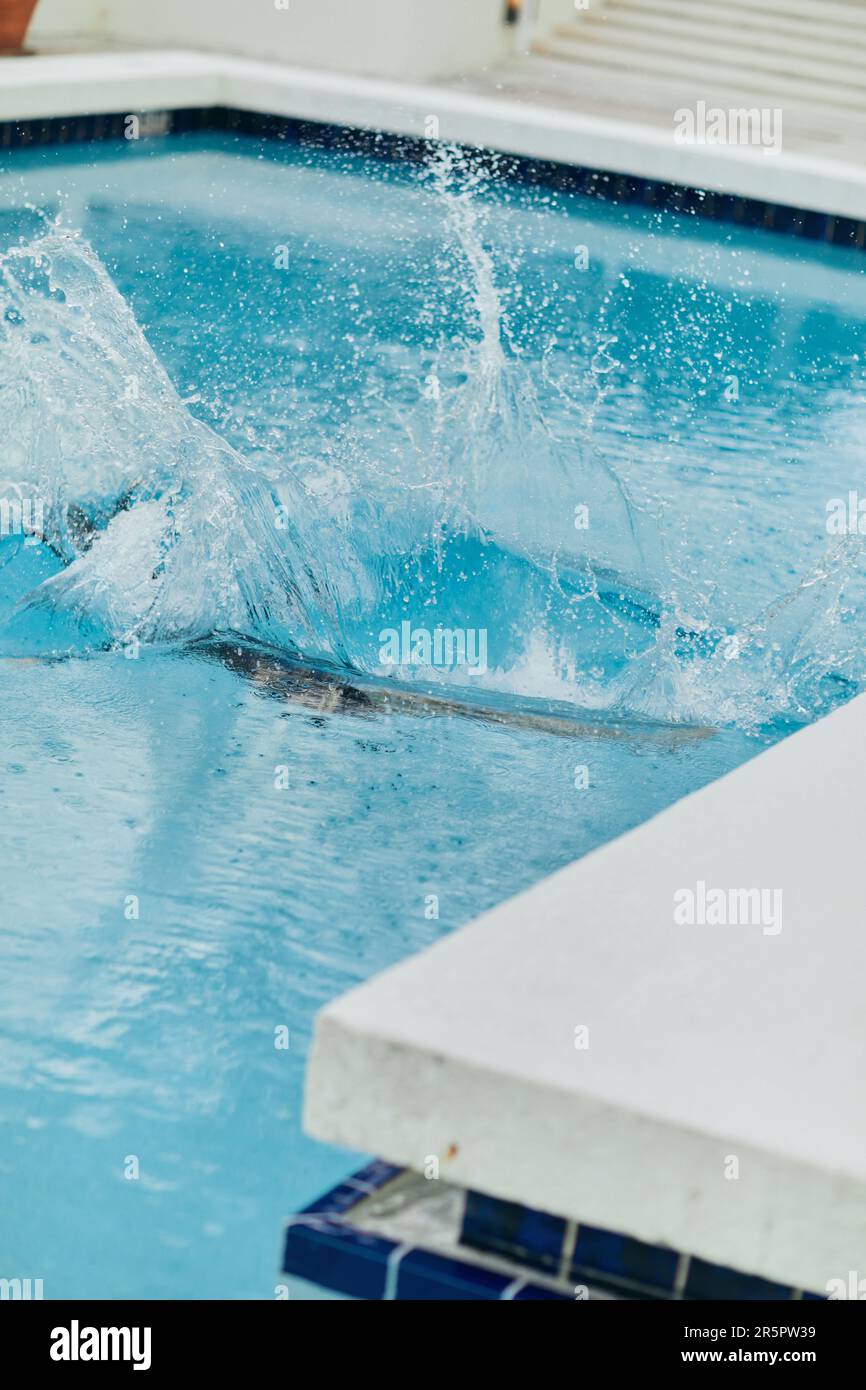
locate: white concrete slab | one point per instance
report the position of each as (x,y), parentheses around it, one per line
(712,1049)
(80,83)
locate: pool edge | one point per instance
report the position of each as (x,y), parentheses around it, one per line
(715,1106)
(80,85)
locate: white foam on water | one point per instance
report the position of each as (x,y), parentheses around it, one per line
(187,539)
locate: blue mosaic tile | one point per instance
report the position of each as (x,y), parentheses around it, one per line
(507,1228)
(348,1193)
(424,1275)
(536,1293)
(622,1258)
(337,1257)
(323,1248)
(713,1281)
(337,1202)
(377,1173)
(617,1263)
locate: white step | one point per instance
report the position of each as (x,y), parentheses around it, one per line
(812,67)
(755,83)
(775,46)
(651,99)
(810,14)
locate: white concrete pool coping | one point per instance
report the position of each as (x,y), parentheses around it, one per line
(119,81)
(718,1106)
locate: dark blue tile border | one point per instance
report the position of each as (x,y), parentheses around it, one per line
(337,1257)
(621,1259)
(593,183)
(536,1293)
(74,130)
(603,1259)
(322,1247)
(712,1281)
(347,1194)
(422,1274)
(507,1228)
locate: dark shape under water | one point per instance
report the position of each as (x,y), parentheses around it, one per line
(330,690)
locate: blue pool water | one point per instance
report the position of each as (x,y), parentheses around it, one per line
(275,404)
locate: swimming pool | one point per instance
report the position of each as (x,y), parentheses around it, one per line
(369,403)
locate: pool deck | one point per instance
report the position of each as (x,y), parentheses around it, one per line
(493,109)
(641,60)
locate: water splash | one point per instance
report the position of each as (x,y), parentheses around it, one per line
(164,531)
(472,514)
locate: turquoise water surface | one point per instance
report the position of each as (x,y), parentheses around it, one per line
(272,405)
